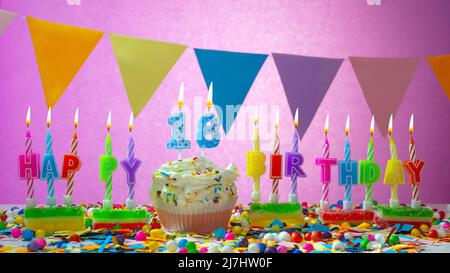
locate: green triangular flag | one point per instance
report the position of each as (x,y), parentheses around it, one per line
(143,64)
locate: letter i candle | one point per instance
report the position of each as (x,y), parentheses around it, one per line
(71,164)
(29,165)
(275,162)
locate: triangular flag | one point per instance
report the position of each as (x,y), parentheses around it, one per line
(60,52)
(143,64)
(384,82)
(6,18)
(306,81)
(233,74)
(441,68)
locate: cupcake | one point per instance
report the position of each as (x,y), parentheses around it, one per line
(193,195)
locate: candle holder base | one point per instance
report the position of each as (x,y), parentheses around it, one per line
(348,205)
(107,204)
(273,198)
(51,201)
(68,200)
(367,205)
(394,203)
(31,202)
(415,204)
(324,204)
(293,198)
(131,204)
(256,196)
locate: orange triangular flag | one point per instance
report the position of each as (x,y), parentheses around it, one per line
(60,52)
(441,68)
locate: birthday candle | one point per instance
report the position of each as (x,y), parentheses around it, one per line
(108,164)
(347,158)
(208,135)
(276,152)
(71,164)
(369,190)
(293,190)
(326,154)
(412,157)
(178,140)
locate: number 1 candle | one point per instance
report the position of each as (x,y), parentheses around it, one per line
(29,165)
(71,164)
(413,167)
(177,121)
(208,135)
(348,170)
(130,165)
(325,164)
(49,169)
(256,163)
(108,164)
(394,170)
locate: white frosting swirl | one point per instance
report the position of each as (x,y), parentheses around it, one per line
(193,180)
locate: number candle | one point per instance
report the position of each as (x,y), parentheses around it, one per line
(130,165)
(325,164)
(49,169)
(29,165)
(413,167)
(208,135)
(276,153)
(178,140)
(71,164)
(348,170)
(394,169)
(108,164)
(256,163)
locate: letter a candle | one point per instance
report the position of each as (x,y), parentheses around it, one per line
(108,164)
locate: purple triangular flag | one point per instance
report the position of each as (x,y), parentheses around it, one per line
(384,82)
(306,81)
(6,18)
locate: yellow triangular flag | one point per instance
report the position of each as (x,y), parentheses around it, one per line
(60,52)
(143,64)
(441,68)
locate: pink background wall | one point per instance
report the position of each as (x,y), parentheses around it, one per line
(319,28)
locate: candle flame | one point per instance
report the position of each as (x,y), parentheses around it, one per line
(372,125)
(277,118)
(75,120)
(108,122)
(347,125)
(181,96)
(28,120)
(256,116)
(296,118)
(327,124)
(49,116)
(130,122)
(411,124)
(209,100)
(390,124)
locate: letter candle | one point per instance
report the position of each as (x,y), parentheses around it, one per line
(29,165)
(413,167)
(325,164)
(71,164)
(108,164)
(348,170)
(49,169)
(256,163)
(273,198)
(394,170)
(130,165)
(293,190)
(178,140)
(369,171)
(208,135)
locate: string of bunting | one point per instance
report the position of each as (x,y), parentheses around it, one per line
(61,50)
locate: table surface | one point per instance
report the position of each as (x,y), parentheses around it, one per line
(442,247)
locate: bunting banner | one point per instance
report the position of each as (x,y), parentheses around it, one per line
(441,68)
(306,81)
(232,74)
(384,82)
(6,17)
(143,65)
(61,51)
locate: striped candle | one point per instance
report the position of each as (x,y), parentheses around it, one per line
(28,151)
(71,178)
(412,157)
(394,155)
(49,151)
(276,151)
(347,158)
(369,190)
(325,154)
(108,151)
(131,160)
(293,189)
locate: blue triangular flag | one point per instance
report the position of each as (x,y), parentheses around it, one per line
(232,74)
